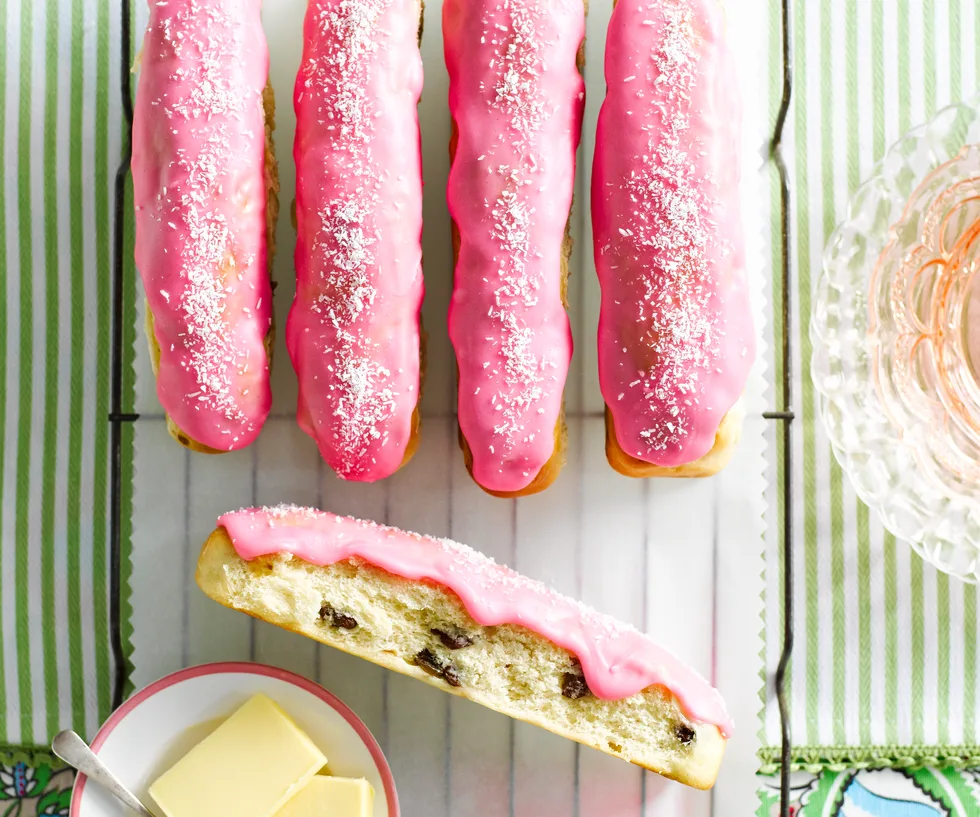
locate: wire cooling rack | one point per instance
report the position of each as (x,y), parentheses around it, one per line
(116,415)
(783,415)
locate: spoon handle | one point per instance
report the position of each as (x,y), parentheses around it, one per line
(75,752)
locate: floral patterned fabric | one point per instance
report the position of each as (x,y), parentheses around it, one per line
(877,793)
(31,791)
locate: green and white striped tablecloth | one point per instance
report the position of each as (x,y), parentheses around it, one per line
(885,665)
(60,141)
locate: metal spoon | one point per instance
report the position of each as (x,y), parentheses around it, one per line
(69,746)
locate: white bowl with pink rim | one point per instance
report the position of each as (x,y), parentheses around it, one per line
(160,723)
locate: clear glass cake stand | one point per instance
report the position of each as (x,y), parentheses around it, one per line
(898,391)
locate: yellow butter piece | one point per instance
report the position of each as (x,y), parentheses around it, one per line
(331,797)
(248,767)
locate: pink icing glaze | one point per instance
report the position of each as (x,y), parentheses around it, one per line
(353,330)
(675,327)
(200,194)
(617,660)
(516,96)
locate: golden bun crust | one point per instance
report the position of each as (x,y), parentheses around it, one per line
(413,441)
(389,621)
(726,438)
(548,472)
(416,423)
(546,475)
(271,217)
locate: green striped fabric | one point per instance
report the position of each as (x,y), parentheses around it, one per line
(60,142)
(885,664)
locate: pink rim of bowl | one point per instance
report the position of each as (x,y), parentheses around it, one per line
(253,669)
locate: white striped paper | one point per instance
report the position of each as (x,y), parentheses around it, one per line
(678,558)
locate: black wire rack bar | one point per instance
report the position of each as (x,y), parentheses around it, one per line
(116,414)
(784,415)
